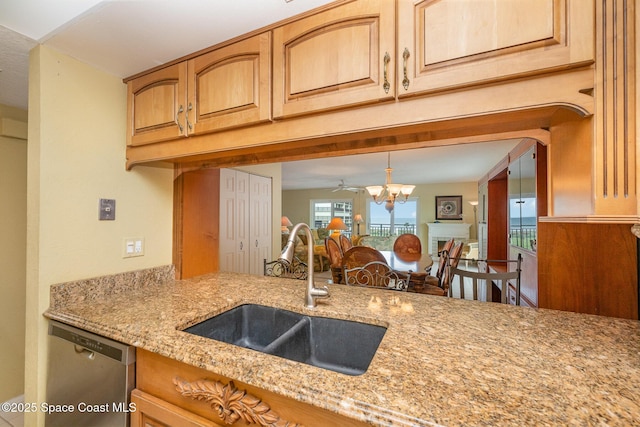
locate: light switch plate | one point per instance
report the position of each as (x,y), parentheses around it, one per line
(107,210)
(133,247)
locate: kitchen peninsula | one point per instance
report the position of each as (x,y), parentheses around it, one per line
(442,361)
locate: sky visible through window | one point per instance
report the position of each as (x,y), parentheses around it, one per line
(404,213)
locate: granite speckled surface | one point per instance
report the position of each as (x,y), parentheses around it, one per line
(442,361)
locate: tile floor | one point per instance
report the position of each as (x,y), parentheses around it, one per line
(12,419)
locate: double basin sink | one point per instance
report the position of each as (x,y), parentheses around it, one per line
(339,345)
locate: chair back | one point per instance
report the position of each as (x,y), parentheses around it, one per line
(296,270)
(451,261)
(407,244)
(501,279)
(376,274)
(334,253)
(345,243)
(358,256)
(446,250)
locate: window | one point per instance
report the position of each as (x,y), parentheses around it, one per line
(323,210)
(402,219)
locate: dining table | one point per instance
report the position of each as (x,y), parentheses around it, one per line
(407,262)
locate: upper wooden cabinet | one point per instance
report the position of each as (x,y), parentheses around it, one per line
(230,86)
(221,89)
(340,57)
(154,104)
(449,44)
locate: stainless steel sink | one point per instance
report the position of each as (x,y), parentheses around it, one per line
(338,345)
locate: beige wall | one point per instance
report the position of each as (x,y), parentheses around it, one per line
(13,235)
(77,118)
(296,206)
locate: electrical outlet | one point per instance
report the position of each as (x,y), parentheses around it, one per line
(133,246)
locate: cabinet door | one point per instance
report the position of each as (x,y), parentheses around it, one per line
(153,412)
(261,226)
(228,220)
(334,59)
(456,43)
(156,106)
(243,243)
(230,86)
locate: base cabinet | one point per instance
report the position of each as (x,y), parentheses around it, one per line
(173,394)
(154,412)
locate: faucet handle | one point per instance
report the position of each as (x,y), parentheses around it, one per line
(322,292)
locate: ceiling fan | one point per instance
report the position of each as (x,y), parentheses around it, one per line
(343,187)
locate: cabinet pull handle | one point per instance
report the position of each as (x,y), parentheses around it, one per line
(386,86)
(189,124)
(241,245)
(256,243)
(405,56)
(180,110)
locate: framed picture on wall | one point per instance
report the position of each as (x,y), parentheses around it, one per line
(448,207)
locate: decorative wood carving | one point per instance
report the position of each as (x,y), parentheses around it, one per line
(230,403)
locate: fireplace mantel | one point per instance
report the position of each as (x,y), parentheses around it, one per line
(443,231)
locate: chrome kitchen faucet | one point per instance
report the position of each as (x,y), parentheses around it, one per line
(286,256)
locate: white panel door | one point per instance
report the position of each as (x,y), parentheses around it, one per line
(227,220)
(260,228)
(242,222)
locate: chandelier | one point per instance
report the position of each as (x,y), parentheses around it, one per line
(390,193)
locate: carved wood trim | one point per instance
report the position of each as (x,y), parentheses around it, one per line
(230,403)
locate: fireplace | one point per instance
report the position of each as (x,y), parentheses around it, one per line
(440,232)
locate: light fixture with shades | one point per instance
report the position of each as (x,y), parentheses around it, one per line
(285,223)
(390,193)
(336,225)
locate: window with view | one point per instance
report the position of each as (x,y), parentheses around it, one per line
(322,211)
(402,219)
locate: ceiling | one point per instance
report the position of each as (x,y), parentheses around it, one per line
(124,38)
(434,165)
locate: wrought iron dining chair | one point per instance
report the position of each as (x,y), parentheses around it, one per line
(440,286)
(377,274)
(296,270)
(407,244)
(345,243)
(358,256)
(334,253)
(488,278)
(442,262)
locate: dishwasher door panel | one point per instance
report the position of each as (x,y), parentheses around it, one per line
(89,379)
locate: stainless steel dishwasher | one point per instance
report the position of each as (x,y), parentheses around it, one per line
(90,379)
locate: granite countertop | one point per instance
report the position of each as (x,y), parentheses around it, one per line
(443,361)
